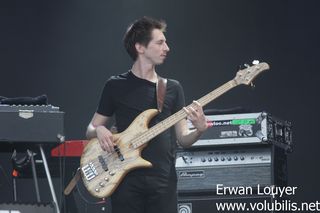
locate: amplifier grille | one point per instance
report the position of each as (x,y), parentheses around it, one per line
(208,178)
(200,170)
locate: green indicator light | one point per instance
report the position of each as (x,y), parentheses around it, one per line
(243,121)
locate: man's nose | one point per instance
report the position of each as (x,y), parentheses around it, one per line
(166,47)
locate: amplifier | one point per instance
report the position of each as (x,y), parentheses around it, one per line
(246,128)
(31,123)
(215,204)
(200,170)
(26,208)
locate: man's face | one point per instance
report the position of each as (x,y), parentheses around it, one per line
(157,49)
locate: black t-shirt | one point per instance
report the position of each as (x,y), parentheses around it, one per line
(125,96)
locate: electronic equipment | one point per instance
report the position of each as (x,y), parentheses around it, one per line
(25,125)
(31,123)
(200,170)
(213,204)
(246,128)
(27,208)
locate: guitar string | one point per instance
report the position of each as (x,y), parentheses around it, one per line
(149,133)
(172,119)
(178,116)
(159,128)
(205,99)
(113,157)
(136,142)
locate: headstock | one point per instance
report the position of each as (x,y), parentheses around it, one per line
(246,76)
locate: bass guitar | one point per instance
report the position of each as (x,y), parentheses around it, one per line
(102,172)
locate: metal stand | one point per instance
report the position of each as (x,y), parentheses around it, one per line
(14,189)
(20,164)
(34,175)
(54,197)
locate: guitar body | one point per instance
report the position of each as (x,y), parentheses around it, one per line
(102,171)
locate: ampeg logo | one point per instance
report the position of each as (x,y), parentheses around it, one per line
(191,174)
(26,114)
(185,207)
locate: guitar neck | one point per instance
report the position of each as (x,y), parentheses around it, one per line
(181,114)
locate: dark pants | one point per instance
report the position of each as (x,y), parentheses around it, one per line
(145,194)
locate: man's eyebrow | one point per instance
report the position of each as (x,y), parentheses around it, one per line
(161,40)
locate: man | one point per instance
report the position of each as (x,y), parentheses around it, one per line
(147,190)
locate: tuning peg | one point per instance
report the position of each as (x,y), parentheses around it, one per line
(252,85)
(255,62)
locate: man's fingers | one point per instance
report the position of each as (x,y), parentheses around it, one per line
(198,106)
(186,110)
(191,112)
(107,144)
(197,103)
(102,144)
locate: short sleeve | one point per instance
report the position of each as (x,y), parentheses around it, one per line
(179,100)
(106,104)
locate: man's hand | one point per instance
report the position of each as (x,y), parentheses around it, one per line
(105,138)
(196,116)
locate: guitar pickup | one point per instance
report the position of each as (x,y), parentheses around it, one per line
(120,156)
(103,163)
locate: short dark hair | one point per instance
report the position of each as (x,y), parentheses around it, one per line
(140,31)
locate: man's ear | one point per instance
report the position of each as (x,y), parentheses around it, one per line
(140,48)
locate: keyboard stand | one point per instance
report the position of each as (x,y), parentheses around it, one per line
(45,164)
(34,174)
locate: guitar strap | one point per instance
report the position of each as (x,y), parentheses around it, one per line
(72,183)
(161,88)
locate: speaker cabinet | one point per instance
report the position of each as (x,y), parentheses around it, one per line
(213,204)
(27,208)
(201,170)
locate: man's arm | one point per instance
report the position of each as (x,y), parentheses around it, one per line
(185,136)
(97,129)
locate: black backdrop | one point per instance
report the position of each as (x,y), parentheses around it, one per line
(67,49)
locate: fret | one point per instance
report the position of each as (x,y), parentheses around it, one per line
(178,116)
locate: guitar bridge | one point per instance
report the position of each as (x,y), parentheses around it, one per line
(89,171)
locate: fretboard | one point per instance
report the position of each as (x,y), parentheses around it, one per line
(181,114)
